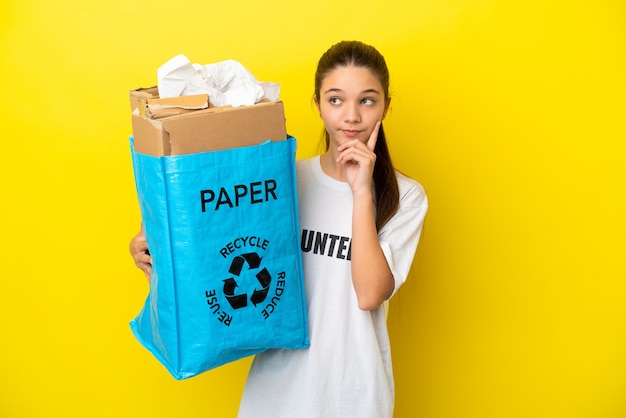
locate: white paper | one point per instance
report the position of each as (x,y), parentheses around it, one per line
(226,82)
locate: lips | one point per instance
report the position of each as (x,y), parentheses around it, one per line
(350,132)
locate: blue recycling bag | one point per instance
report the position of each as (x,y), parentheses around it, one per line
(222,228)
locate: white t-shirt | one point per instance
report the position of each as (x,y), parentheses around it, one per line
(346,372)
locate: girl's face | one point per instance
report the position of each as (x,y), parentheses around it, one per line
(351,101)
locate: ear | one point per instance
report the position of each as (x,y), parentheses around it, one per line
(387,104)
(317,104)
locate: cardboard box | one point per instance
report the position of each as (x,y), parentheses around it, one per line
(209,129)
(146,102)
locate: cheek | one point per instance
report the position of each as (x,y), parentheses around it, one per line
(328,113)
(376,115)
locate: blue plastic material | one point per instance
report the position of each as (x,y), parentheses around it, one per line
(222,228)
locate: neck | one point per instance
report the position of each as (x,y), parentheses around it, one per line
(331,168)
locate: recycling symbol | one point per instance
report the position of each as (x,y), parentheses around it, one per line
(263,277)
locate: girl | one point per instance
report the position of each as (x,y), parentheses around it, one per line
(350,194)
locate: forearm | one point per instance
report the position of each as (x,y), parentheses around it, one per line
(371,276)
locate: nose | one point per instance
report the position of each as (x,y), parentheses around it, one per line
(352,114)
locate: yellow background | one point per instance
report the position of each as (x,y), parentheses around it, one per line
(510,113)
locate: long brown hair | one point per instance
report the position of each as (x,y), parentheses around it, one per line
(358,54)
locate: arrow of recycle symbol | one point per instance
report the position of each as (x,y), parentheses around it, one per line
(230,285)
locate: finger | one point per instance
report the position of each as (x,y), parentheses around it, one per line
(353,143)
(138,245)
(148,272)
(371,142)
(356,155)
(145,267)
(143,258)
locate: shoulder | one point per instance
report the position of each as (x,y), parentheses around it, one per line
(306,163)
(305,168)
(412,193)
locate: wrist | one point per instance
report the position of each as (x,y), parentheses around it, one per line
(363,195)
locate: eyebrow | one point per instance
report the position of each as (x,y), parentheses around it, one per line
(338,90)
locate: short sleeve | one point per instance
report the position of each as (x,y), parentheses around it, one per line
(400,235)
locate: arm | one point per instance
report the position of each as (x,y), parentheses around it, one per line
(371,276)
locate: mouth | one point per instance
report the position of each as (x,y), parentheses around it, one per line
(351,133)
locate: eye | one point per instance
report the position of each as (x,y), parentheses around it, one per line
(334,100)
(368,101)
